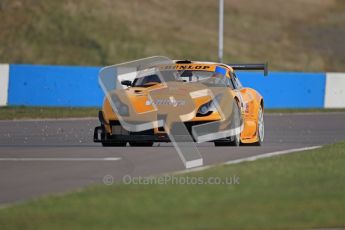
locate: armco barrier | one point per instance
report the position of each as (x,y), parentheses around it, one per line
(41,85)
(44,85)
(288,89)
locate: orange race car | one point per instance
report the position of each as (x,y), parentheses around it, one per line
(248,102)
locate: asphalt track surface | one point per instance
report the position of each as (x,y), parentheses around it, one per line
(39,157)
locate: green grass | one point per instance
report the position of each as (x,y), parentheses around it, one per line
(303,35)
(24,112)
(297,191)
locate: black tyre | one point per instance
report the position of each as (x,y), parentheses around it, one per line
(114,144)
(111,143)
(141,143)
(236,122)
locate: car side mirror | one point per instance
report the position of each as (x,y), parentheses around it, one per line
(126,83)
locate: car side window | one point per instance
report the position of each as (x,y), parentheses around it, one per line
(236,82)
(233,81)
(229,83)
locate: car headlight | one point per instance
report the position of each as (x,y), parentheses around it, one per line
(204,108)
(121,108)
(209,106)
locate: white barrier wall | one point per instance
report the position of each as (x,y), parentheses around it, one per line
(335,90)
(4,77)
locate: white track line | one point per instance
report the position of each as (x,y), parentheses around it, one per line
(252,158)
(272,154)
(59,159)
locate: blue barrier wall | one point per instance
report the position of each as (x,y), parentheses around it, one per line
(288,89)
(42,85)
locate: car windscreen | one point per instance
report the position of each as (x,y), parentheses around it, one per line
(205,77)
(146,81)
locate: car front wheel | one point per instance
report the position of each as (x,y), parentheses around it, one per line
(235,124)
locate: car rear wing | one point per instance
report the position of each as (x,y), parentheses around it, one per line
(240,67)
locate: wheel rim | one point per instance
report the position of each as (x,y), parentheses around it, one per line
(261,126)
